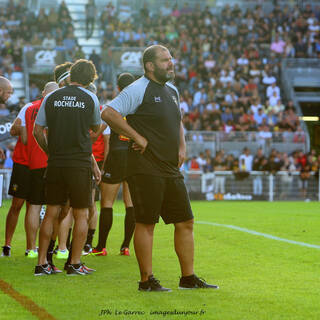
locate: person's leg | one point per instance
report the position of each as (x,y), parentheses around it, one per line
(12,219)
(129,221)
(46,231)
(53,240)
(64,226)
(32,222)
(143,242)
(177,210)
(79,235)
(108,196)
(184,246)
(93,217)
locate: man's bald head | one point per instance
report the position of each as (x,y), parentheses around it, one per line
(6,89)
(49,87)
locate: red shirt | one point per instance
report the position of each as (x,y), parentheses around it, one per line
(20,153)
(98,147)
(37,158)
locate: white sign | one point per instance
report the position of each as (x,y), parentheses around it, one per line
(45,57)
(131,59)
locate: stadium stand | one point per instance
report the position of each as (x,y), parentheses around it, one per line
(244,69)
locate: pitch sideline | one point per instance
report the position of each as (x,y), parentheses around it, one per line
(256,233)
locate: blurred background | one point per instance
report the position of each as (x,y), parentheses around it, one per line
(248,73)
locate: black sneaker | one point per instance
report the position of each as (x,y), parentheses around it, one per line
(42,270)
(193,282)
(76,269)
(6,251)
(152,284)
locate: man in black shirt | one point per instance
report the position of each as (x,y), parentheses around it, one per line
(68,113)
(114,173)
(151,106)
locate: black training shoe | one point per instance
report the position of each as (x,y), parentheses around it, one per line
(6,251)
(193,282)
(76,269)
(152,284)
(43,270)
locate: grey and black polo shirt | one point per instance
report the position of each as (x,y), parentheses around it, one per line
(153,111)
(69,113)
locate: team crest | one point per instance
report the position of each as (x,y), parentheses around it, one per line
(175,100)
(157,99)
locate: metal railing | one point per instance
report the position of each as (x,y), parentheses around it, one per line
(256,185)
(6,173)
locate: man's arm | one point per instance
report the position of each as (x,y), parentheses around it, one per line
(95,170)
(94,135)
(41,138)
(182,146)
(106,139)
(95,128)
(16,127)
(119,125)
(23,135)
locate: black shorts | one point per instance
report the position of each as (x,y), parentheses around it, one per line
(115,167)
(69,183)
(36,193)
(19,182)
(154,196)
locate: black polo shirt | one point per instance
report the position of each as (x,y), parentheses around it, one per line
(69,113)
(153,111)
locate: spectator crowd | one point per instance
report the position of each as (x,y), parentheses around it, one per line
(228,63)
(306,165)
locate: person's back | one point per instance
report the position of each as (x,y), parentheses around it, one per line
(36,157)
(68,113)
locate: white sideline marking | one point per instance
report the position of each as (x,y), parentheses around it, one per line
(269,236)
(256,233)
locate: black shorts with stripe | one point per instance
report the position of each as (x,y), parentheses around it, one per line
(115,168)
(155,197)
(19,182)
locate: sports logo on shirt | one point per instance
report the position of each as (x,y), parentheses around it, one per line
(157,99)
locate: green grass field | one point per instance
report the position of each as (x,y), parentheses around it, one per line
(259,277)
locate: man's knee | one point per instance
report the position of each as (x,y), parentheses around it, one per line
(148,228)
(185,225)
(16,205)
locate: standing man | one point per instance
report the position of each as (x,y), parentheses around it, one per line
(19,182)
(91,12)
(37,160)
(151,105)
(69,113)
(115,168)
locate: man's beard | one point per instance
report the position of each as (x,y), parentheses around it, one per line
(163,75)
(2,100)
